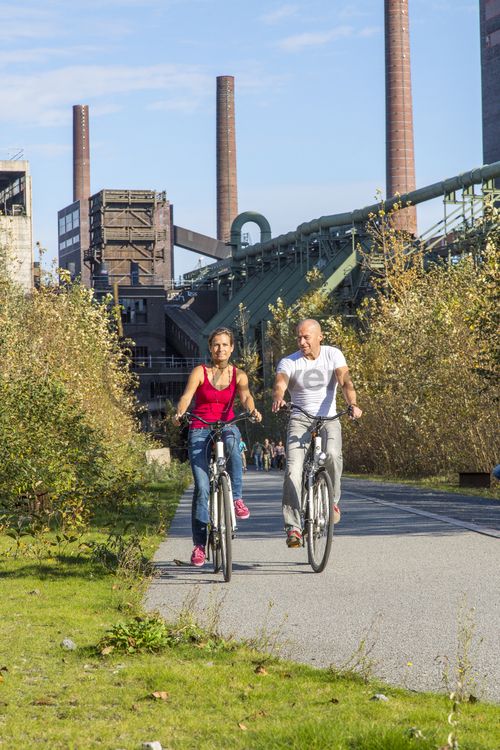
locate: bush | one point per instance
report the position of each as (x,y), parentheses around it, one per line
(68,424)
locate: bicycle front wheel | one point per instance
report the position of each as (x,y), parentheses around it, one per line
(320,522)
(224,552)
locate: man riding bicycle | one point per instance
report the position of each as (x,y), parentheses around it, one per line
(311,376)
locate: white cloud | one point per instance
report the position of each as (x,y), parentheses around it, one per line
(42,54)
(352,11)
(299,42)
(45,97)
(25,23)
(186,105)
(275,16)
(370,31)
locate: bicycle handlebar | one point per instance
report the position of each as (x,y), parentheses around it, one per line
(187,416)
(291,406)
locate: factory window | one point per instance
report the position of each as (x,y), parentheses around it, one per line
(62,245)
(76,219)
(69,222)
(134,311)
(62,225)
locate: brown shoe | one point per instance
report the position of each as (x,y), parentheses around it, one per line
(293,538)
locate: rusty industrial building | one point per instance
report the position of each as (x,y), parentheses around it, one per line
(127,246)
(16,233)
(121,242)
(400,155)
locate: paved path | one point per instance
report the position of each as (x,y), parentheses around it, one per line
(397,577)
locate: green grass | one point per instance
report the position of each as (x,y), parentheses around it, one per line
(442,483)
(216,694)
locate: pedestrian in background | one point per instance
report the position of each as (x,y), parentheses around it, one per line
(257,455)
(243,451)
(267,454)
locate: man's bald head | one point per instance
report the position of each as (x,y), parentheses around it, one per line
(311,323)
(309,338)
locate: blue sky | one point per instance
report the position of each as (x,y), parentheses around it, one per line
(309,101)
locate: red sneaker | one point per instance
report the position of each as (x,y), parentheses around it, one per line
(336,514)
(198,556)
(240,509)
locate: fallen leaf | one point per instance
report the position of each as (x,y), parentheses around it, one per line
(260,670)
(333,700)
(161,695)
(107,650)
(242,726)
(179,562)
(34,592)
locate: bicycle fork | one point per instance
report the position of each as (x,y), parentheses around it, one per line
(220,461)
(318,460)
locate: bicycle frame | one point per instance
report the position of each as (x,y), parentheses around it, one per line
(315,456)
(216,469)
(316,502)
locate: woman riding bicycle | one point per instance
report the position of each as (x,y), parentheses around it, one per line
(214,389)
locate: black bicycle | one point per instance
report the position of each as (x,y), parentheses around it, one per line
(317,499)
(222,520)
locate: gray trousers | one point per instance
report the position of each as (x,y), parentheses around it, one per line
(298,440)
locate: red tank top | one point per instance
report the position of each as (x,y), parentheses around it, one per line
(212,404)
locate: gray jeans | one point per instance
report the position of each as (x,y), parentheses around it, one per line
(298,440)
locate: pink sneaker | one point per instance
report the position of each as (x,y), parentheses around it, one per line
(198,556)
(240,509)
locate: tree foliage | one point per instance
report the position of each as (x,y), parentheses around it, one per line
(67,407)
(423,352)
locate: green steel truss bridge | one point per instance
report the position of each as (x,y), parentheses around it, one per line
(256,275)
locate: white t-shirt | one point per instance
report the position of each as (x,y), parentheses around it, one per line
(312,382)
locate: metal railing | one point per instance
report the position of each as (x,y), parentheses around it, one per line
(169,362)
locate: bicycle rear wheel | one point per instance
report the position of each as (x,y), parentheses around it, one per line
(223,557)
(320,522)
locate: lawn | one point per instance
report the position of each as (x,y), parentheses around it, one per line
(198,690)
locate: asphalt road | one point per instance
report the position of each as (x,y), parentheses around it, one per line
(406,569)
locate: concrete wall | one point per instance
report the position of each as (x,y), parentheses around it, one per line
(16,233)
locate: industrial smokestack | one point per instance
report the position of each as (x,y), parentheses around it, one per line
(489,11)
(81,183)
(227,191)
(81,153)
(400,155)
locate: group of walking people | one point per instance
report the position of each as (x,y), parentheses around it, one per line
(267,455)
(311,376)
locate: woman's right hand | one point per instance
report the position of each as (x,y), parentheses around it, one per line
(177,419)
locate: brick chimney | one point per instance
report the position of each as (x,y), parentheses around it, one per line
(81,179)
(400,156)
(227,190)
